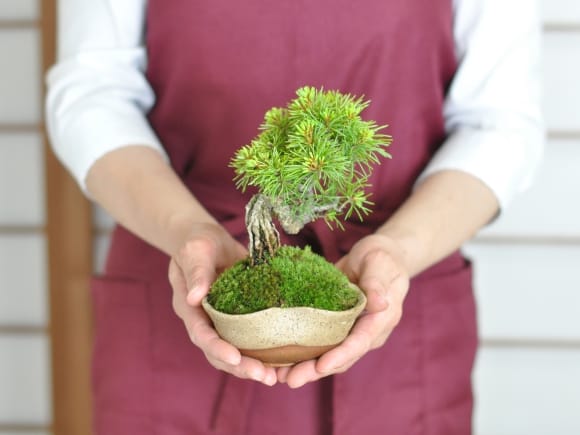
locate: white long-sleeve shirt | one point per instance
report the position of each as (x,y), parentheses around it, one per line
(98,96)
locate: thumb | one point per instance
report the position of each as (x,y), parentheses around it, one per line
(345,267)
(376,275)
(198,265)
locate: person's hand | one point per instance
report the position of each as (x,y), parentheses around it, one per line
(208,250)
(376,265)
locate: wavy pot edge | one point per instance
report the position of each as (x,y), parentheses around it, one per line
(288,329)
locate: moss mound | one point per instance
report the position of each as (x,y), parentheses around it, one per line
(293,277)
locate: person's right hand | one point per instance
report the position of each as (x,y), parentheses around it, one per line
(208,250)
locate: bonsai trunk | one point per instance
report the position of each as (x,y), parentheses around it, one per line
(264,237)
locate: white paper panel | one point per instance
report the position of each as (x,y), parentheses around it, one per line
(527,392)
(101,219)
(20,84)
(23,280)
(19,10)
(24,377)
(100,249)
(21,180)
(527,291)
(562,87)
(551,207)
(561,11)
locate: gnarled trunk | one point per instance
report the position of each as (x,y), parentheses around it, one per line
(264,237)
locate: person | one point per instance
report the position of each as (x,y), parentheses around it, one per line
(148,102)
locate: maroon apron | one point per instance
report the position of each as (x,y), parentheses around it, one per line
(216,66)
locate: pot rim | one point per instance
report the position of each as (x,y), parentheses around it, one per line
(274,327)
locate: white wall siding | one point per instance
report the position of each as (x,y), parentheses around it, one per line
(550,208)
(527,377)
(528,391)
(21,179)
(101,220)
(23,281)
(19,9)
(100,247)
(20,84)
(25,397)
(561,11)
(25,380)
(527,291)
(562,87)
(103,225)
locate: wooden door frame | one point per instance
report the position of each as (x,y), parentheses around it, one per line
(70,260)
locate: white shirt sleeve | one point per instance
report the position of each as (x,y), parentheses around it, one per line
(98,96)
(493,108)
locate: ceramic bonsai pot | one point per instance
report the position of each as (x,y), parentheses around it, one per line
(285,336)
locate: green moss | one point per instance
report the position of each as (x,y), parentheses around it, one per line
(293,277)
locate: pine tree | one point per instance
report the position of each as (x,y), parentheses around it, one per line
(312,159)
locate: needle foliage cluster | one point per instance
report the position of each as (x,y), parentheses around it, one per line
(313,158)
(293,277)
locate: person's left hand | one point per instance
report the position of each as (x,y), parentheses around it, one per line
(376,265)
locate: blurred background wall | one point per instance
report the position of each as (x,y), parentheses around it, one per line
(25,405)
(528,263)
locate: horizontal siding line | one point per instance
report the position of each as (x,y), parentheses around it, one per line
(39,128)
(25,230)
(564,134)
(9,24)
(527,240)
(22,330)
(21,127)
(104,231)
(525,343)
(24,427)
(561,27)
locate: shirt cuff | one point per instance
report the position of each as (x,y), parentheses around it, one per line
(90,133)
(504,160)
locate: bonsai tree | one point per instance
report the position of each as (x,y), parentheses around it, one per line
(311,160)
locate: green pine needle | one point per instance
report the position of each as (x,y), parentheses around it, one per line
(315,154)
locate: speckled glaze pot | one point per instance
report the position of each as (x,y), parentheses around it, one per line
(285,336)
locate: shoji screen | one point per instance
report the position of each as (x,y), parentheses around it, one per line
(25,405)
(45,247)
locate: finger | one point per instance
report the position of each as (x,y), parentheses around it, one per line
(344,266)
(179,287)
(341,264)
(361,340)
(176,278)
(378,272)
(303,373)
(369,329)
(240,252)
(203,335)
(248,368)
(221,354)
(282,373)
